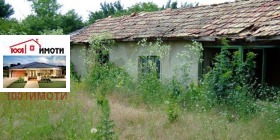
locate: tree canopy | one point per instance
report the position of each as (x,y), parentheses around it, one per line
(6,9)
(116,9)
(47,18)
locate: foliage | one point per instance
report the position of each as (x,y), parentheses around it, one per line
(46,16)
(107,9)
(172,110)
(52,32)
(116,9)
(172,5)
(73,74)
(103,73)
(102,80)
(191,54)
(151,89)
(100,46)
(230,82)
(71,21)
(47,83)
(109,76)
(142,7)
(20,80)
(188,5)
(10,27)
(266,92)
(6,9)
(45,8)
(105,129)
(45,80)
(155,48)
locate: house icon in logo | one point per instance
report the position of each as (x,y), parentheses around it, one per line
(29,46)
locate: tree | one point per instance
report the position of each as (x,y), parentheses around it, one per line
(52,32)
(71,21)
(45,8)
(10,27)
(116,9)
(107,9)
(6,10)
(172,5)
(143,7)
(187,5)
(47,17)
(93,16)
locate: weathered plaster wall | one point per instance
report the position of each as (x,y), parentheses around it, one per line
(126,54)
(78,57)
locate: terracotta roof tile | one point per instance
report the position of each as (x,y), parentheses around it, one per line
(240,19)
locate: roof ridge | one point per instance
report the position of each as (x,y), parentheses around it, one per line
(134,14)
(223,19)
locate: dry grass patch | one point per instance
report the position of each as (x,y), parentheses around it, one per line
(73,119)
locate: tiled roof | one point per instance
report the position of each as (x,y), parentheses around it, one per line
(34,65)
(242,19)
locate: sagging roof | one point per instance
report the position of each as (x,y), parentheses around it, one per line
(34,65)
(236,20)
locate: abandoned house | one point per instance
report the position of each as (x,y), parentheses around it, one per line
(249,25)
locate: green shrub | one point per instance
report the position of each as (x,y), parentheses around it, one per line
(20,80)
(172,111)
(73,74)
(152,90)
(105,129)
(231,81)
(266,92)
(109,76)
(45,80)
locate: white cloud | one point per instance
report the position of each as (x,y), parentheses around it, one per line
(43,60)
(58,61)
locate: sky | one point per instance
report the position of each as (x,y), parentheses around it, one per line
(53,60)
(83,7)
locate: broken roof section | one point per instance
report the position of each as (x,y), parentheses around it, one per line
(236,20)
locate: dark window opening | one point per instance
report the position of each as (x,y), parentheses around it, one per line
(208,58)
(267,65)
(272,67)
(147,64)
(102,57)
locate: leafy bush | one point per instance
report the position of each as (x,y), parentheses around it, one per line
(152,90)
(105,129)
(45,80)
(109,77)
(73,74)
(20,80)
(172,111)
(266,92)
(231,81)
